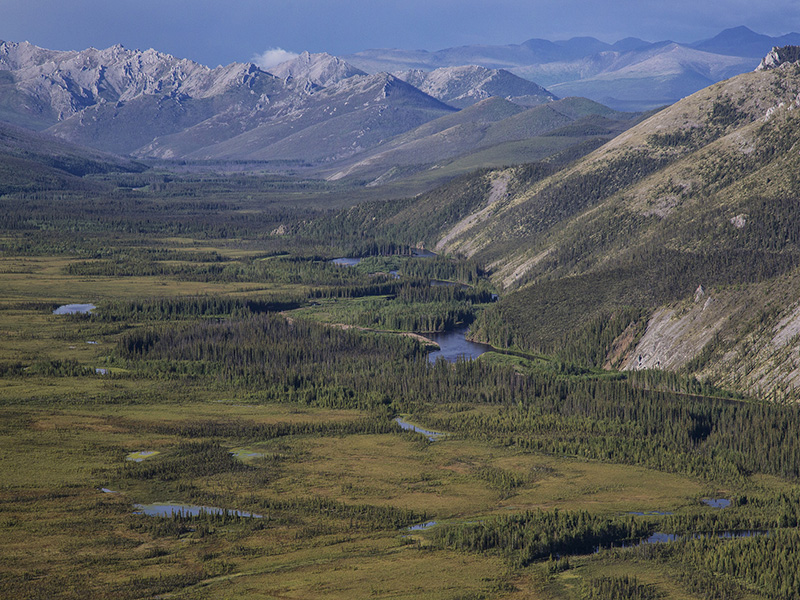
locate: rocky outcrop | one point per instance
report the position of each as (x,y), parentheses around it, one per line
(674,337)
(778,57)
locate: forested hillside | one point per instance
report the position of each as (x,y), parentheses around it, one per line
(672,246)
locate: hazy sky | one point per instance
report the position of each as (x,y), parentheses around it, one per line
(221,31)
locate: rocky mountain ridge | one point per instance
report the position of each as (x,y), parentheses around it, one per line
(466,85)
(72,81)
(329,124)
(320,69)
(151,104)
(779,56)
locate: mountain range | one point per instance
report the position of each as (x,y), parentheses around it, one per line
(631,74)
(315,109)
(315,113)
(334,115)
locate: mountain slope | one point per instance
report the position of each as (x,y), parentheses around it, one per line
(33,162)
(676,245)
(643,80)
(695,125)
(464,86)
(52,151)
(345,118)
(492,123)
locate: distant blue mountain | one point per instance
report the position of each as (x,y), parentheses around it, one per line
(631,74)
(630,44)
(742,41)
(578,47)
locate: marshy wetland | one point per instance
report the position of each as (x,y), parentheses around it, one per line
(267,426)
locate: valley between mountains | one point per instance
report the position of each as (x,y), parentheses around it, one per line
(221,290)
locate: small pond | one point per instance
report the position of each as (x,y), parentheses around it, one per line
(431,435)
(454,345)
(168,509)
(74,309)
(346,262)
(665,538)
(422,526)
(243,454)
(717,502)
(352,261)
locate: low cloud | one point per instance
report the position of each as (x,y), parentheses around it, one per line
(272,57)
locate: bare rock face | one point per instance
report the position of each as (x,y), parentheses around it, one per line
(321,69)
(778,57)
(699,294)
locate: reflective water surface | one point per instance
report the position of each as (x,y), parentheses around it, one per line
(431,435)
(454,345)
(422,526)
(346,262)
(168,509)
(73,309)
(717,502)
